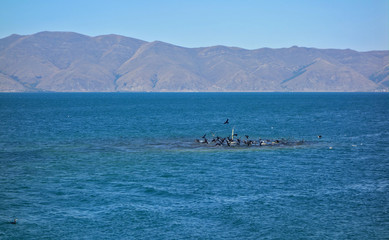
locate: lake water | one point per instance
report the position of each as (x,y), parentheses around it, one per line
(126,166)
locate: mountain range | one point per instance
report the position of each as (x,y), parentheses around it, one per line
(72,62)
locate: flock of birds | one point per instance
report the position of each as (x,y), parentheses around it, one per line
(238,141)
(229,141)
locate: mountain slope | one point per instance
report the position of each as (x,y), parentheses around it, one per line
(338,77)
(72,62)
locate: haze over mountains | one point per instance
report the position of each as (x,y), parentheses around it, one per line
(71,62)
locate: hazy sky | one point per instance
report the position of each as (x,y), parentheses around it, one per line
(357,24)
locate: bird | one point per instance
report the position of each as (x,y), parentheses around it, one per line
(226,122)
(319,136)
(14,221)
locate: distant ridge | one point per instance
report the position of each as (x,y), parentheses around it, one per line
(72,62)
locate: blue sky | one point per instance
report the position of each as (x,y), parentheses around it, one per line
(361,25)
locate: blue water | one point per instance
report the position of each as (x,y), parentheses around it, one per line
(126,166)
